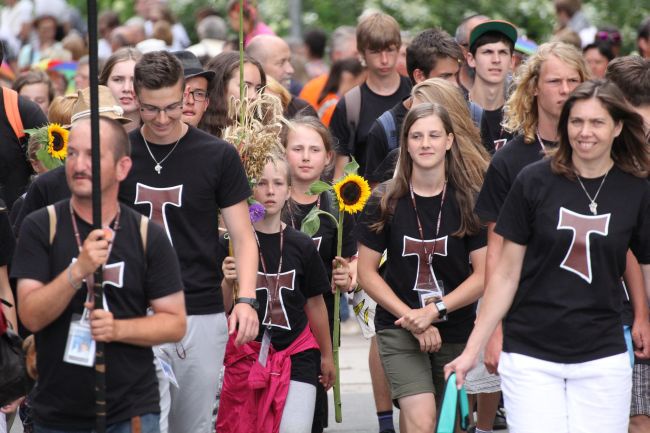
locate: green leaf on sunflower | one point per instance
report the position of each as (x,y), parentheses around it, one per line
(46,159)
(311,222)
(318,187)
(351,167)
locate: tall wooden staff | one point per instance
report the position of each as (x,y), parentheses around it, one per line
(100,361)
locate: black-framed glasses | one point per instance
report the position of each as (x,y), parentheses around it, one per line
(199,95)
(151,111)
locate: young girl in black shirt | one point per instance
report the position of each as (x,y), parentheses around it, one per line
(423,217)
(567,224)
(291,281)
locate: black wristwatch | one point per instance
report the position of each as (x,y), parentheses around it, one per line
(442,310)
(250,301)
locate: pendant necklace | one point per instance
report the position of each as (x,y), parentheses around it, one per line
(158,167)
(593,205)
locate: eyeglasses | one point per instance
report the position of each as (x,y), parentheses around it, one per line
(198,94)
(604,35)
(151,111)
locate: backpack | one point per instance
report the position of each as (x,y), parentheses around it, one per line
(14,380)
(10,98)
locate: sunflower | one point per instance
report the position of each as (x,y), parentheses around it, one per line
(57,141)
(352,193)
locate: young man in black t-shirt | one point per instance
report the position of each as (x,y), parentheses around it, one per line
(432,54)
(182,178)
(57,252)
(491,48)
(378,43)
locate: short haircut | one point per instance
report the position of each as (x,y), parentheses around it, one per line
(603,47)
(340,36)
(212,27)
(378,31)
(462,35)
(157,70)
(429,46)
(568,6)
(316,40)
(644,29)
(491,37)
(120,139)
(632,75)
(34,77)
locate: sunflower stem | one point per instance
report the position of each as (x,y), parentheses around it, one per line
(337,326)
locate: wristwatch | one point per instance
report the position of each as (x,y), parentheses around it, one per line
(250,301)
(442,310)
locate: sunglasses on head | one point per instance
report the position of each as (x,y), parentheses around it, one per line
(614,37)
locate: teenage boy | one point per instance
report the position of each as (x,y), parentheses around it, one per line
(491,48)
(197,83)
(432,54)
(183,178)
(378,43)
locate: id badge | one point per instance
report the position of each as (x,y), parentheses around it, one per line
(168,371)
(80,347)
(264,349)
(430,293)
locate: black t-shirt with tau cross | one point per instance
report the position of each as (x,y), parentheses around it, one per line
(407,265)
(202,175)
(65,396)
(325,238)
(567,308)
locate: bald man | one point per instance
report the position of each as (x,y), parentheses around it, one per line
(275,56)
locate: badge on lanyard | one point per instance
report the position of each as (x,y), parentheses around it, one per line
(80,347)
(264,349)
(168,371)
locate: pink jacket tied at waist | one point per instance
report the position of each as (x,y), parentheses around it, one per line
(253,396)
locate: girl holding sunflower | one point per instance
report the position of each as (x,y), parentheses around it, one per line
(291,282)
(424,218)
(309,152)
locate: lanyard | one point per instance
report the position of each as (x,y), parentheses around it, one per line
(90,280)
(272,293)
(428,255)
(293,222)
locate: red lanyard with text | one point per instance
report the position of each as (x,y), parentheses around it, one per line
(428,255)
(263,262)
(90,279)
(293,222)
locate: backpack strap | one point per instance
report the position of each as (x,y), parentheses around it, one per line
(51,212)
(353,110)
(332,203)
(10,98)
(477,113)
(387,122)
(144,225)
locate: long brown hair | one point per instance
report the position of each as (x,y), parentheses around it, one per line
(630,150)
(464,169)
(121,55)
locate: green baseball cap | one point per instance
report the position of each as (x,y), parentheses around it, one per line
(504,27)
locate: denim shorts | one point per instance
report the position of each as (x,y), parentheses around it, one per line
(150,424)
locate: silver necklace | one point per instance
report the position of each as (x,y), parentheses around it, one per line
(158,167)
(593,206)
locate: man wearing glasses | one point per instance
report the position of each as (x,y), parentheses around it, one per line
(182,178)
(195,94)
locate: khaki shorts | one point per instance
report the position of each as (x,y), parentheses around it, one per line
(410,371)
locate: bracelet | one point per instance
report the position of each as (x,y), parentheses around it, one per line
(69,274)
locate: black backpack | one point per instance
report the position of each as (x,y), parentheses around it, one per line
(14,380)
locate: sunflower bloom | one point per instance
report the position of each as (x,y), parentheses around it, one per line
(352,193)
(57,139)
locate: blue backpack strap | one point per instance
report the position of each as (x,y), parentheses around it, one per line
(476,112)
(387,122)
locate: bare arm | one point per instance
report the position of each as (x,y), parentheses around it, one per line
(167,324)
(243,317)
(317,314)
(373,283)
(7,295)
(495,344)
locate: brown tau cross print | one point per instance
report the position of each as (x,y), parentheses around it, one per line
(416,247)
(578,257)
(158,199)
(275,314)
(114,274)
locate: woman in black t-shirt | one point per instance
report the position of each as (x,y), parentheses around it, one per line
(291,281)
(423,217)
(567,224)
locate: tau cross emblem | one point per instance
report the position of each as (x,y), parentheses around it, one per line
(275,314)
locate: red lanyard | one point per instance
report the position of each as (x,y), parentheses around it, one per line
(90,279)
(428,255)
(263,262)
(293,222)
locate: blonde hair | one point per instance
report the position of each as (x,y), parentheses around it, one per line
(60,110)
(521,114)
(465,167)
(279,90)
